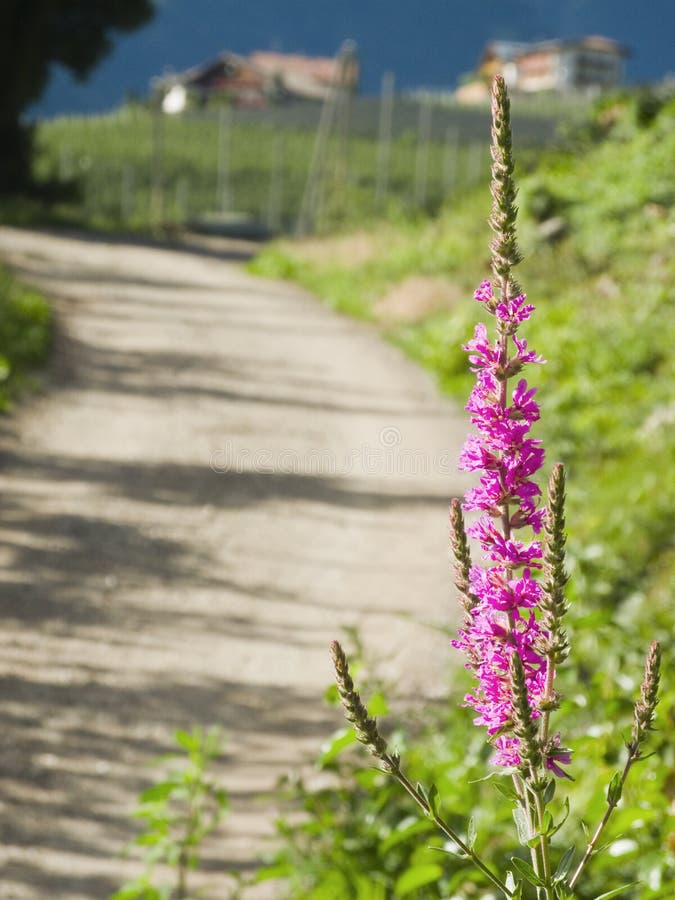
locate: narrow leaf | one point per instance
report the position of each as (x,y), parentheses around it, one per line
(616,891)
(433,799)
(521,826)
(416,877)
(556,828)
(526,870)
(507,790)
(564,865)
(614,790)
(343,738)
(186,740)
(549,792)
(158,792)
(405,829)
(471,833)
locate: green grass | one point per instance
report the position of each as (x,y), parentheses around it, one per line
(25,336)
(605,321)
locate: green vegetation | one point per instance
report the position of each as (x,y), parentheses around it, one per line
(140,170)
(178,813)
(597,230)
(25,335)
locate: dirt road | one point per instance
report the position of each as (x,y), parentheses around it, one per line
(219,476)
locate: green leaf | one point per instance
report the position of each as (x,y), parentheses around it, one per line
(433,799)
(506,790)
(556,828)
(564,865)
(158,792)
(549,791)
(405,829)
(186,740)
(279,870)
(416,877)
(526,870)
(616,891)
(451,848)
(377,705)
(471,833)
(331,695)
(343,738)
(521,826)
(615,789)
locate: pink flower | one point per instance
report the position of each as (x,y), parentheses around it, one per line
(505,619)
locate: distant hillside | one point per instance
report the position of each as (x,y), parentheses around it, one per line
(428,44)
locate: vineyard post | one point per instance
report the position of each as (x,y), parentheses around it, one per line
(450,159)
(422,154)
(384,140)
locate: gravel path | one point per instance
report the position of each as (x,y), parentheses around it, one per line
(219,476)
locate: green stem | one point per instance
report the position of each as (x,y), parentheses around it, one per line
(394,770)
(611,806)
(543,843)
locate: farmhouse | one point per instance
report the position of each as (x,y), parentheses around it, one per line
(585,65)
(260,78)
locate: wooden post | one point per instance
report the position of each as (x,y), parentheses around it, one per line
(450,159)
(336,101)
(157,191)
(127,193)
(384,140)
(422,154)
(224,160)
(275,196)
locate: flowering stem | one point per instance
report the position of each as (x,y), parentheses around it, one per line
(367,733)
(392,768)
(612,803)
(643,717)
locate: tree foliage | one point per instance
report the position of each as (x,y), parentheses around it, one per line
(35,34)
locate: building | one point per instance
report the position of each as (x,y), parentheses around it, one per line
(586,65)
(260,78)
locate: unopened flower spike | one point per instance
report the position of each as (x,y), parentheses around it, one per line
(643,715)
(355,712)
(462,553)
(554,603)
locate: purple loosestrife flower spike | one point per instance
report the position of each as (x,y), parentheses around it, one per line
(506,632)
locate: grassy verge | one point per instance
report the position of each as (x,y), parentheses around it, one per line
(597,229)
(25,336)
